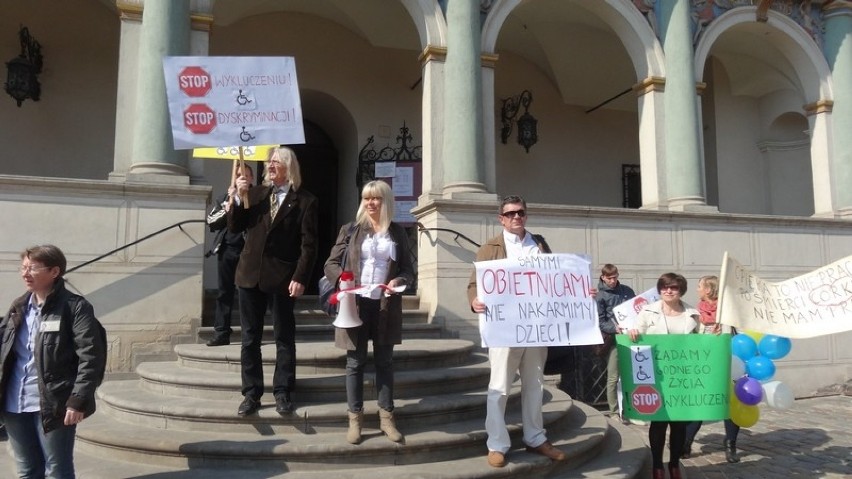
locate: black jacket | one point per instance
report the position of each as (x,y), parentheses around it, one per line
(70,362)
(217,220)
(277,250)
(608,298)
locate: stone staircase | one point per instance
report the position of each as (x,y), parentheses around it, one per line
(178,418)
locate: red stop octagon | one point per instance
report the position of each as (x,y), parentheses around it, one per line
(199,119)
(194,81)
(646,399)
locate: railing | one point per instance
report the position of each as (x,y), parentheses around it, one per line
(167,228)
(421,229)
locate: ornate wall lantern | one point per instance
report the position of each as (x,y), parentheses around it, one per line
(22,75)
(527,124)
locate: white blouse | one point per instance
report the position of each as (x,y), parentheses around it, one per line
(377,251)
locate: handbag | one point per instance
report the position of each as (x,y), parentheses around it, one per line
(326,288)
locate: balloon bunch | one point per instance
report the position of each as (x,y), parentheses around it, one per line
(752,370)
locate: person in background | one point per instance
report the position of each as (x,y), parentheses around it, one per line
(52,359)
(708,296)
(513,242)
(610,294)
(377,254)
(227,250)
(280,224)
(669,315)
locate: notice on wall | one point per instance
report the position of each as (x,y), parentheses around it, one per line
(538,300)
(233,101)
(813,304)
(675,377)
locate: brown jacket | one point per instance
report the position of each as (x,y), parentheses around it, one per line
(389,330)
(495,248)
(280,250)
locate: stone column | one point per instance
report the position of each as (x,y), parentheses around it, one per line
(684,176)
(838,52)
(130,16)
(462,155)
(165,32)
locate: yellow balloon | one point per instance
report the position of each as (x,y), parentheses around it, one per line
(743,415)
(754,335)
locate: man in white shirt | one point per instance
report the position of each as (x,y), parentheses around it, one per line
(514,241)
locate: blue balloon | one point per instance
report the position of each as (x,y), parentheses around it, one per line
(760,368)
(743,347)
(748,390)
(774,347)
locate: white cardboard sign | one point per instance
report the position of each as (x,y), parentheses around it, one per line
(226,101)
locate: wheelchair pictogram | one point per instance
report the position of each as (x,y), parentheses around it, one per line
(242,99)
(246,136)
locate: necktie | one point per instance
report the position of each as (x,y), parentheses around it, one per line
(273,203)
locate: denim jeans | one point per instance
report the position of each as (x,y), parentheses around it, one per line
(39,455)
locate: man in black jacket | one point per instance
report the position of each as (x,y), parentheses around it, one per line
(52,358)
(227,249)
(280,222)
(611,293)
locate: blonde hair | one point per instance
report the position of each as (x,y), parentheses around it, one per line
(377,189)
(712,284)
(287,157)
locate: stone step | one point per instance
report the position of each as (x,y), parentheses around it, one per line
(174,379)
(324,357)
(611,461)
(622,455)
(306,308)
(129,402)
(303,448)
(324,331)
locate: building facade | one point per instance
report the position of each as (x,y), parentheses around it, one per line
(668,132)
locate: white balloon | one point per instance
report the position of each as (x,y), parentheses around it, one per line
(778,395)
(737,367)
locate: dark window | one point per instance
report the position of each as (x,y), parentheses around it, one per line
(631,186)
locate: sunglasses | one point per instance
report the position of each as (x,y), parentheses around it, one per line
(512,214)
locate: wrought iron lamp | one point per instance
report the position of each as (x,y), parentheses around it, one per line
(527,124)
(22,75)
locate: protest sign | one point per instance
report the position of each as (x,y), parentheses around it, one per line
(538,300)
(813,304)
(675,377)
(626,312)
(227,101)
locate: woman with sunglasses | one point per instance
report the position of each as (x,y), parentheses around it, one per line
(669,315)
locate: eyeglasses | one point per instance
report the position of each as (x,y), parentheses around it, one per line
(513,213)
(32,269)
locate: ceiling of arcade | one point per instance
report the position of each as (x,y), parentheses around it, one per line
(572,46)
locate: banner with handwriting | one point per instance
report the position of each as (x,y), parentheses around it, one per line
(539,300)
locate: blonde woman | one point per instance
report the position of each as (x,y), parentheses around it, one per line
(377,253)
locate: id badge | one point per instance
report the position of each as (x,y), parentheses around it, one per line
(49,326)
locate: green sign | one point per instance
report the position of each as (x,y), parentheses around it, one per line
(675,377)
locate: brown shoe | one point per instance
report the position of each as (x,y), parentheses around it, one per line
(496,459)
(546,449)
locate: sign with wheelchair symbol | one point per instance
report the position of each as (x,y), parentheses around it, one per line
(642,362)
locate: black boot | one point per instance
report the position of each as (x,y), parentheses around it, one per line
(731,451)
(687,449)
